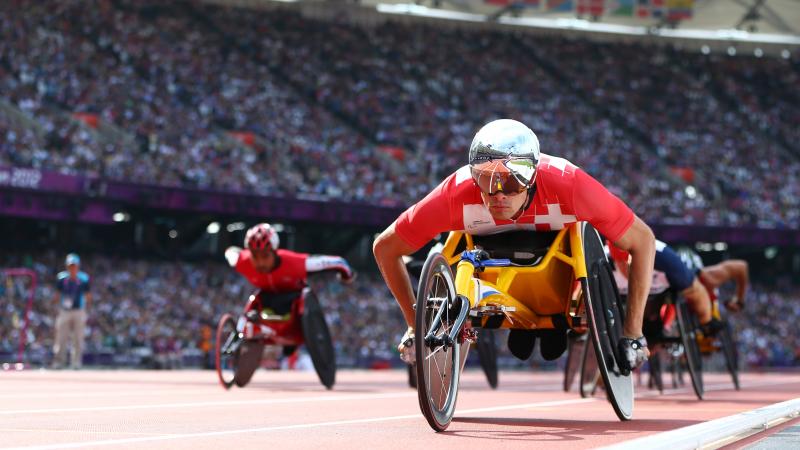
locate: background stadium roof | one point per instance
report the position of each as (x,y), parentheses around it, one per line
(750,22)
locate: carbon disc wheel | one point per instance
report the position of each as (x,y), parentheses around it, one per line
(318,340)
(605,313)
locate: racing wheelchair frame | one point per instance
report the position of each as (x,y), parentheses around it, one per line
(240,344)
(563,281)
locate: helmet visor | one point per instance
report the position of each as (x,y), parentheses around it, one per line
(509,176)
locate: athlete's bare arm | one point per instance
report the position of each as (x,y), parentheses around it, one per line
(640,242)
(734,269)
(389,250)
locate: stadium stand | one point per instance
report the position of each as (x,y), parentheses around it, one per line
(187,94)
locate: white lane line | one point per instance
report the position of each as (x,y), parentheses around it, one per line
(132,392)
(117,433)
(416,416)
(326,398)
(269,401)
(718,432)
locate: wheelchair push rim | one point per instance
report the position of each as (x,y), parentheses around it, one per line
(691,349)
(226,350)
(438,369)
(318,340)
(605,313)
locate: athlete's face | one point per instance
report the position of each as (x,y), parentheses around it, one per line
(263,260)
(73,270)
(503,206)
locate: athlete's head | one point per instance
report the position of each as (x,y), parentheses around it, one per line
(503,157)
(73,263)
(262,241)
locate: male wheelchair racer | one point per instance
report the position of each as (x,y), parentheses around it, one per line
(289,320)
(658,324)
(557,280)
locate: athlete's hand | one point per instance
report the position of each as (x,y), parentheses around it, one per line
(633,353)
(344,279)
(734,304)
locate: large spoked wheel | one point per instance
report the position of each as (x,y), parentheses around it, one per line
(226,350)
(605,312)
(487,355)
(318,340)
(691,349)
(590,372)
(438,366)
(575,346)
(731,355)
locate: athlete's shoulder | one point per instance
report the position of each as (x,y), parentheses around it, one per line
(459,185)
(555,166)
(62,275)
(457,181)
(233,253)
(83,276)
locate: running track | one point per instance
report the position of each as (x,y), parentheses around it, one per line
(366,409)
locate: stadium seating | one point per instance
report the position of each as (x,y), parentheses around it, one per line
(186,94)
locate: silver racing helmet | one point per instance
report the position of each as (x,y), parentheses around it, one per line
(503,157)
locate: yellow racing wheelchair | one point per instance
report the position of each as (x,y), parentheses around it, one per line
(519,280)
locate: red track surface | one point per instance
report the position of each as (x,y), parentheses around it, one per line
(188,409)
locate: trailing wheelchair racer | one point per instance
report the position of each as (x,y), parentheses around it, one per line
(284,311)
(299,320)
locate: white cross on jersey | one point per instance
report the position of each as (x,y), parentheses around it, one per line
(554,217)
(559,163)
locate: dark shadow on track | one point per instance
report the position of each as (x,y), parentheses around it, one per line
(549,430)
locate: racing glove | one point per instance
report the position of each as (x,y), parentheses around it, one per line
(632,352)
(406,347)
(346,278)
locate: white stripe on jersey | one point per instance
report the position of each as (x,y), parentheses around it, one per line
(318,263)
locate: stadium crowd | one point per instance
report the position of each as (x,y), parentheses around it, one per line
(165,307)
(175,86)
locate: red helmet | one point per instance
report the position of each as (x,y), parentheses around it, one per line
(260,237)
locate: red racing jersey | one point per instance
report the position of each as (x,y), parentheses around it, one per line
(564,194)
(290,275)
(292,271)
